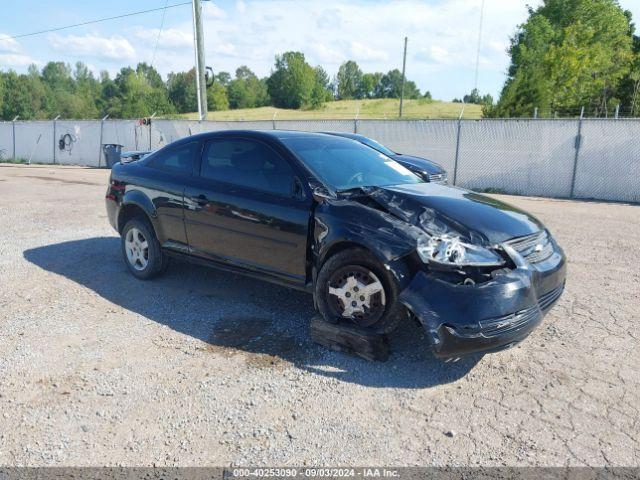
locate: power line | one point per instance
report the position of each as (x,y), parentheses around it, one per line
(94,21)
(155,49)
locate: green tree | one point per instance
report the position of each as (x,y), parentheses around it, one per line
(370,85)
(322,89)
(569,53)
(217,97)
(150,74)
(292,83)
(86,92)
(223,78)
(390,86)
(136,97)
(57,76)
(182,91)
(411,90)
(629,89)
(246,90)
(17,98)
(348,80)
(476,98)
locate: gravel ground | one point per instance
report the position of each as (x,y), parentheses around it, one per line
(208,368)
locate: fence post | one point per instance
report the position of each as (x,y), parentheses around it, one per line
(617,111)
(13,125)
(455,165)
(273,121)
(535,113)
(101,138)
(150,119)
(355,121)
(55,120)
(578,145)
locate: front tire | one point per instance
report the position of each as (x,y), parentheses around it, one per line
(141,249)
(353,286)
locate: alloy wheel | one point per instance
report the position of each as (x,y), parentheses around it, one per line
(137,248)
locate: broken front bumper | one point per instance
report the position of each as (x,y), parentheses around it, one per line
(464,319)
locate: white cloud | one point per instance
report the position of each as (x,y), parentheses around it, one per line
(442,35)
(110,48)
(329,18)
(434,54)
(12,54)
(367,54)
(211,11)
(327,54)
(9,45)
(16,60)
(170,38)
(224,49)
(442,38)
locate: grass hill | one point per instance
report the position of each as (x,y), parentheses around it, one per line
(347,109)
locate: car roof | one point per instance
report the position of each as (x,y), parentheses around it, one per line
(277,134)
(352,136)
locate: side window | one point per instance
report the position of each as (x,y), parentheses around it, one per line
(177,159)
(247,163)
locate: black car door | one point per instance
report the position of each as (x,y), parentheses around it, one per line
(164,186)
(247,207)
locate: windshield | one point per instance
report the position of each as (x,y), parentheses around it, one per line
(344,164)
(378,146)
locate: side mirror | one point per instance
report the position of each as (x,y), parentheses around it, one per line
(320,194)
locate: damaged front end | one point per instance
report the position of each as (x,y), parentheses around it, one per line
(478,274)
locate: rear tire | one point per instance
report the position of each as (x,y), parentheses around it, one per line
(141,250)
(353,286)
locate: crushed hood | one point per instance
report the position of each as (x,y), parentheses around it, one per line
(440,209)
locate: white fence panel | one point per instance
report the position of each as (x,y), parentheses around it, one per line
(525,157)
(316,125)
(608,166)
(6,140)
(432,139)
(128,133)
(77,142)
(35,140)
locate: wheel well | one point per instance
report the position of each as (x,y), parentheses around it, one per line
(340,247)
(128,212)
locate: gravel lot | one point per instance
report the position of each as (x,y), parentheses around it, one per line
(208,368)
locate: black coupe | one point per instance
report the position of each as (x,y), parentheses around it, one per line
(372,241)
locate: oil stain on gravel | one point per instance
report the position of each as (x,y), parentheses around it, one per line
(262,344)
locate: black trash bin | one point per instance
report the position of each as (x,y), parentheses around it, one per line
(111,153)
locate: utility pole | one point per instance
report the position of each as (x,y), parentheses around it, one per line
(198,40)
(475,81)
(404,65)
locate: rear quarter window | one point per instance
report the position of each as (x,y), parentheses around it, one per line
(176,159)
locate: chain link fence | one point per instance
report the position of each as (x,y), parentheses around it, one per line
(588,159)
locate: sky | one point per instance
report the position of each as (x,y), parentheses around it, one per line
(442,49)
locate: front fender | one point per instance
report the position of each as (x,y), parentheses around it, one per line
(339,223)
